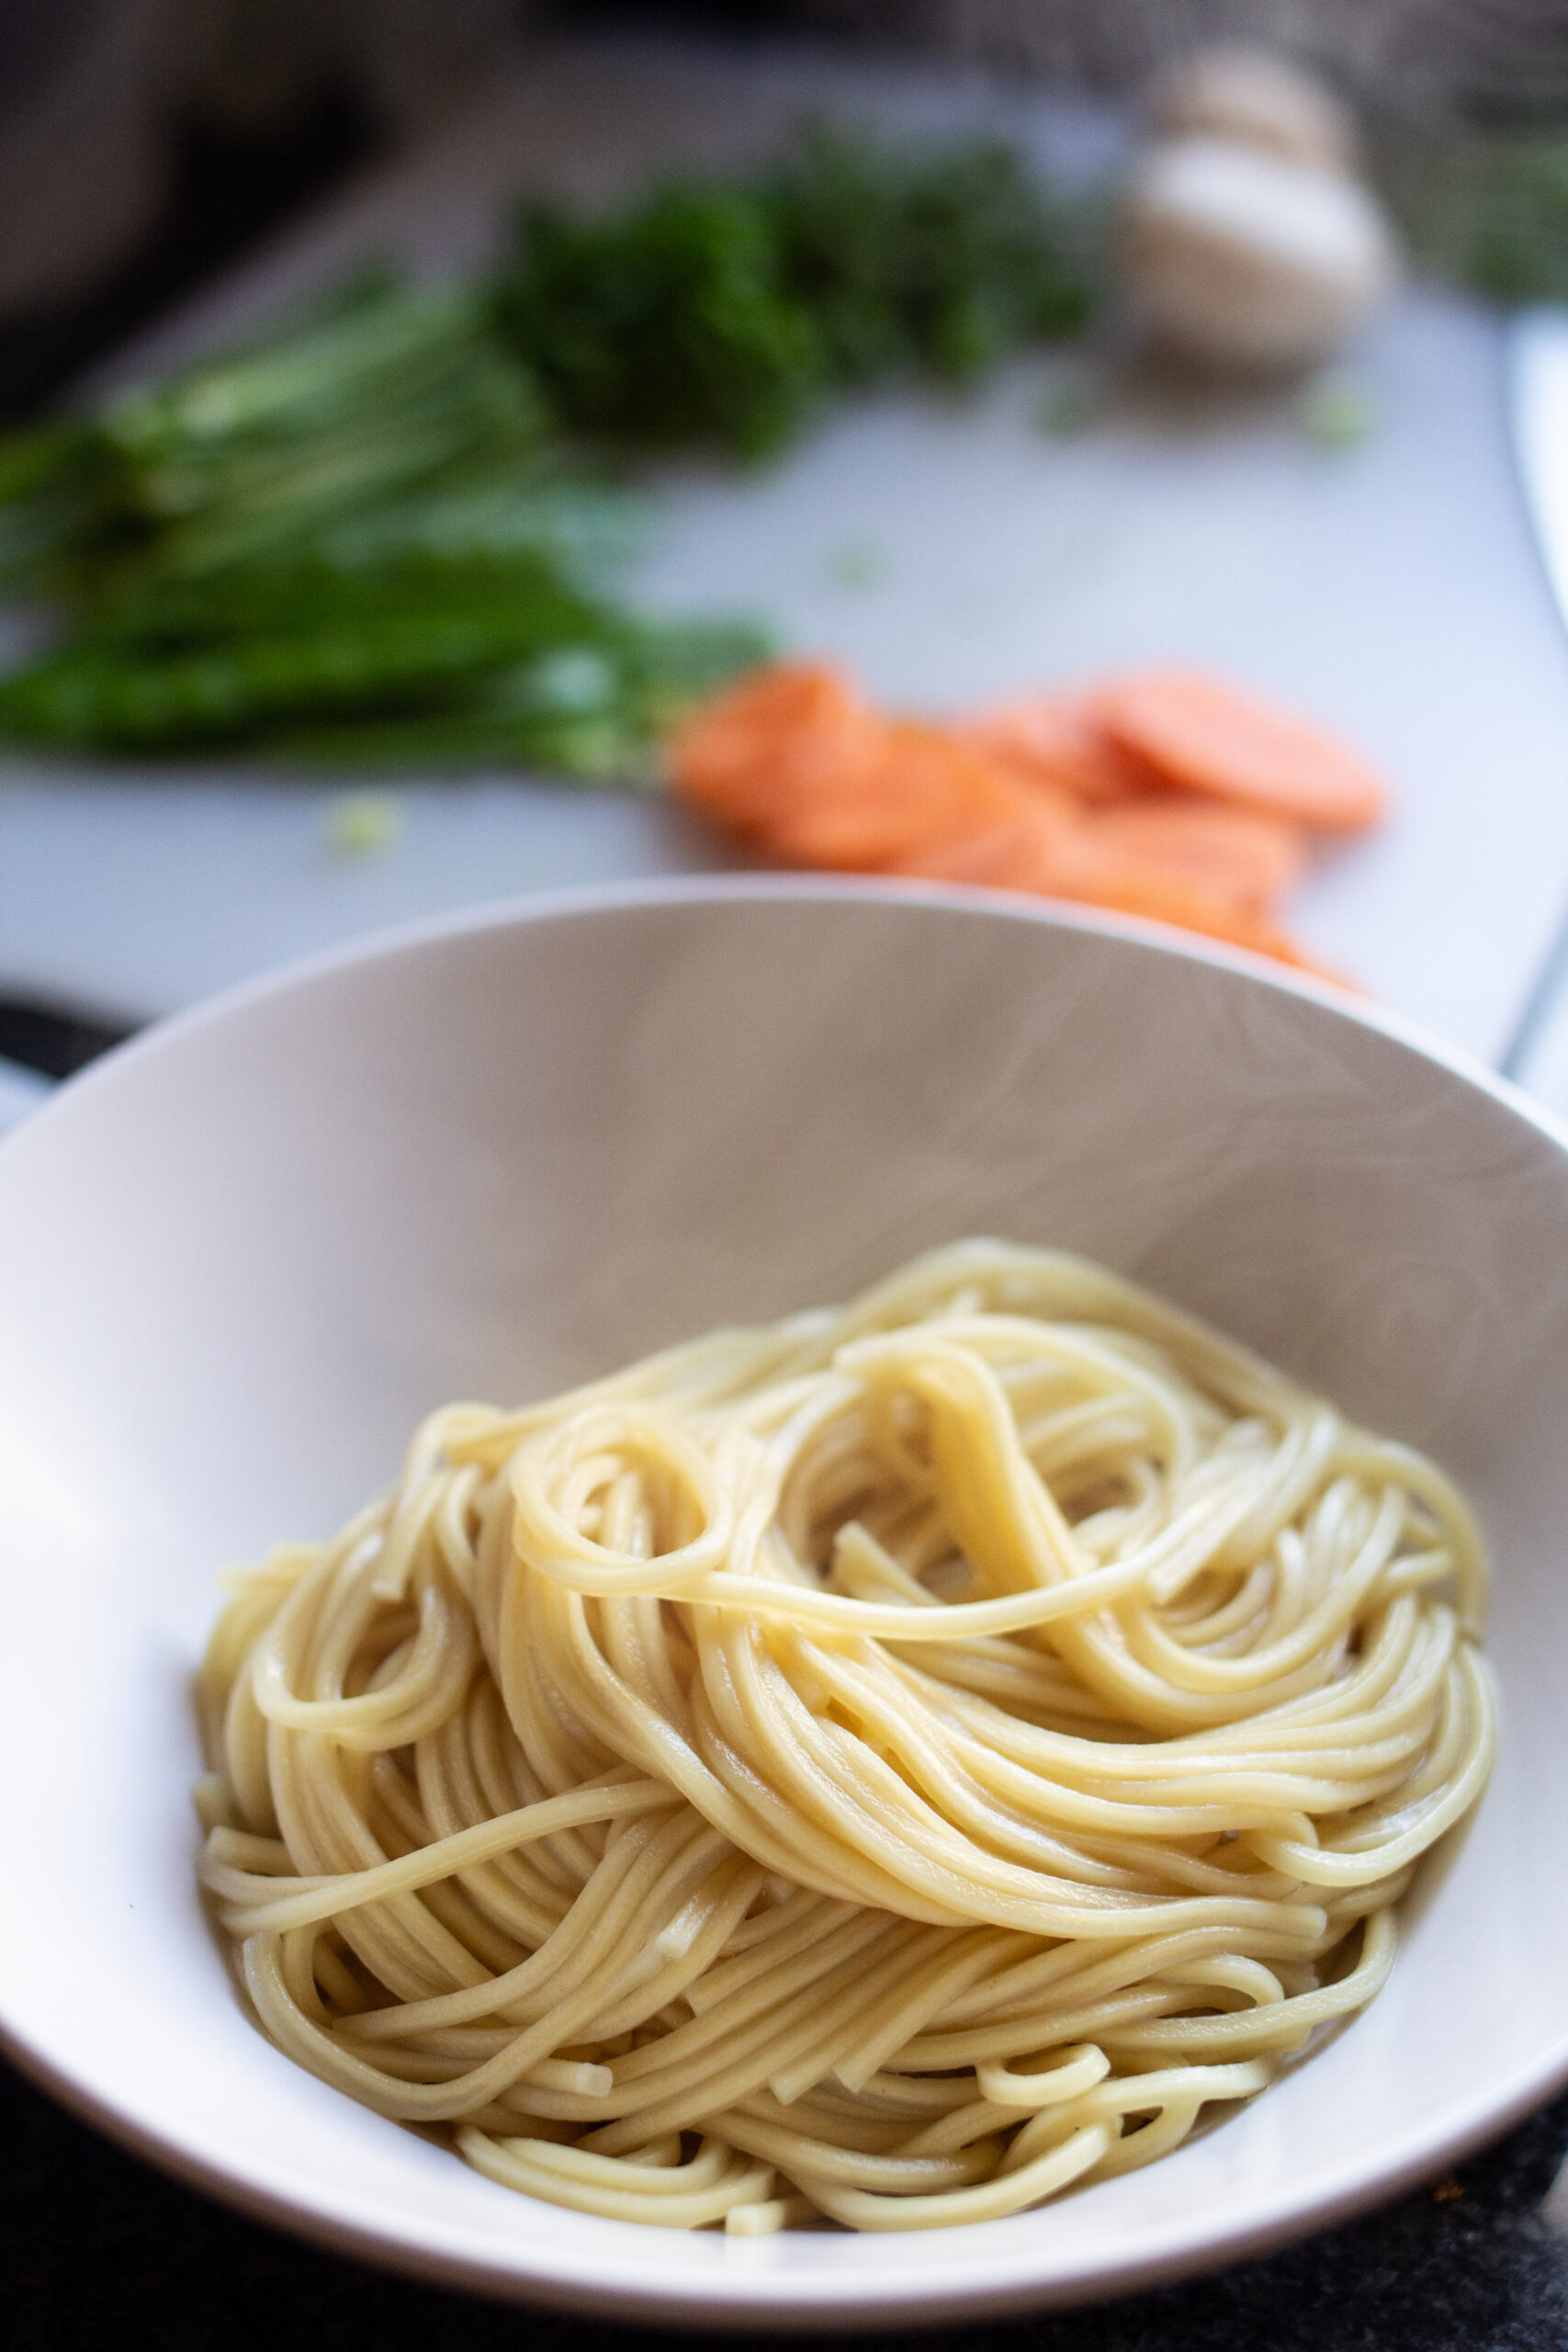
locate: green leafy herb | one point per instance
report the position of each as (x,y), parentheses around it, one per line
(1488,209)
(491,658)
(859,564)
(1510,239)
(1069,406)
(358,544)
(665,324)
(371,540)
(393,392)
(944,262)
(1335,411)
(363,824)
(725,315)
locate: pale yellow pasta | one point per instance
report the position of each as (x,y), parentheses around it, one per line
(884,1768)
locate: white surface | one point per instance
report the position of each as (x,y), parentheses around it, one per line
(1390,590)
(21,1091)
(241,1257)
(1543,1064)
(1540,388)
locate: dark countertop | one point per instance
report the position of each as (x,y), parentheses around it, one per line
(99,2248)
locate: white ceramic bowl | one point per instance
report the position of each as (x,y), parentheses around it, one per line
(238,1259)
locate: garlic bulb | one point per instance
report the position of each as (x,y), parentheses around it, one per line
(1237,257)
(1259,98)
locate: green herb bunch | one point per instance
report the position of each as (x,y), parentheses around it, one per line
(387,391)
(726,315)
(1501,223)
(665,324)
(913,262)
(378,537)
(358,544)
(1481,205)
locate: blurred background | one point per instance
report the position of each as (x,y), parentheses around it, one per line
(411,411)
(144,143)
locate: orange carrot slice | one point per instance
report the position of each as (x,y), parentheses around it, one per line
(1211,738)
(920,790)
(1235,854)
(1075,866)
(1130,887)
(778,737)
(1034,797)
(1057,740)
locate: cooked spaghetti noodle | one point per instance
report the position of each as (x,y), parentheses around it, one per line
(887,1766)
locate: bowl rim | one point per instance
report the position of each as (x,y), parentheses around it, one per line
(515,909)
(759,2300)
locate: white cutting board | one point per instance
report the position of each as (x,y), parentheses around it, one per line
(947,553)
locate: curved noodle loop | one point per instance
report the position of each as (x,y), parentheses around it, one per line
(885,1767)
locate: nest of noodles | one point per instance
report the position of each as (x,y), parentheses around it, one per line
(885,1766)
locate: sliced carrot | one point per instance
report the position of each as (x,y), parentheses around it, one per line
(778,737)
(1076,866)
(920,790)
(1001,857)
(1057,740)
(1205,736)
(1235,854)
(1016,848)
(1131,887)
(1047,794)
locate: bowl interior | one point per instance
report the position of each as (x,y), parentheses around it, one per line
(241,1259)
